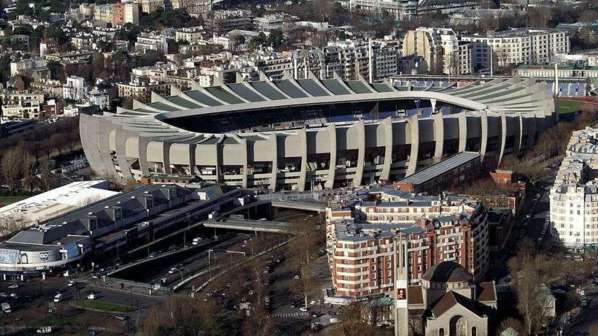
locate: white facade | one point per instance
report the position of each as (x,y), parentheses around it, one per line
(131,13)
(518,47)
(574,196)
(75,88)
(151,42)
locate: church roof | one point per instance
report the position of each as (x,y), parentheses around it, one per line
(451,299)
(447,271)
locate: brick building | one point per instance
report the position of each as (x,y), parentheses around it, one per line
(362,240)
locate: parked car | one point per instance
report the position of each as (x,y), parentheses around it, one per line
(13,286)
(57,297)
(196,240)
(91,296)
(44,330)
(6,308)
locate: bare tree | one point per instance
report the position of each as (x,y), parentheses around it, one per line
(12,165)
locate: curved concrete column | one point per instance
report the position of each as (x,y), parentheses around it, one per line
(332,168)
(95,144)
(387,123)
(360,153)
(413,123)
(121,153)
(483,134)
(462,132)
(273,143)
(166,153)
(303,172)
(503,136)
(143,165)
(519,134)
(245,163)
(438,136)
(433,104)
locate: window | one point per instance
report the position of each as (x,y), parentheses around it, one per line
(441,332)
(474,331)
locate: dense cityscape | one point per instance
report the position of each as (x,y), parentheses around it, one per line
(300,167)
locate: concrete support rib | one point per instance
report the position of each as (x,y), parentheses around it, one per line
(360,153)
(332,169)
(387,123)
(438,136)
(95,144)
(121,153)
(166,156)
(462,132)
(245,174)
(483,133)
(503,136)
(273,144)
(519,134)
(143,164)
(192,159)
(413,123)
(303,172)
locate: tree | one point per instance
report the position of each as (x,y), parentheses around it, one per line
(12,163)
(354,322)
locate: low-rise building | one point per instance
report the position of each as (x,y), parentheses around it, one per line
(53,203)
(151,42)
(22,105)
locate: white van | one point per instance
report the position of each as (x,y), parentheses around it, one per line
(58,298)
(6,308)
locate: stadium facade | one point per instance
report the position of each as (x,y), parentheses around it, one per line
(309,133)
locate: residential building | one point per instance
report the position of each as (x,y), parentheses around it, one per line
(130,13)
(574,195)
(151,42)
(517,46)
(35,68)
(362,240)
(103,13)
(75,88)
(22,105)
(440,49)
(190,34)
(142,88)
(118,14)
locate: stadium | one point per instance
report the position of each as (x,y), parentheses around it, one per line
(312,134)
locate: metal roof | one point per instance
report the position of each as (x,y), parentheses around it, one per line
(441,168)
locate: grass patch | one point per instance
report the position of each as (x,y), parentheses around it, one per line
(568,106)
(50,321)
(102,305)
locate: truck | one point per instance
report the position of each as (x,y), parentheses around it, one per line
(6,308)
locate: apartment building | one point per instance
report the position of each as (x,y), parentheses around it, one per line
(191,34)
(517,46)
(373,60)
(574,195)
(362,240)
(440,49)
(75,88)
(142,88)
(22,105)
(130,13)
(103,13)
(151,42)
